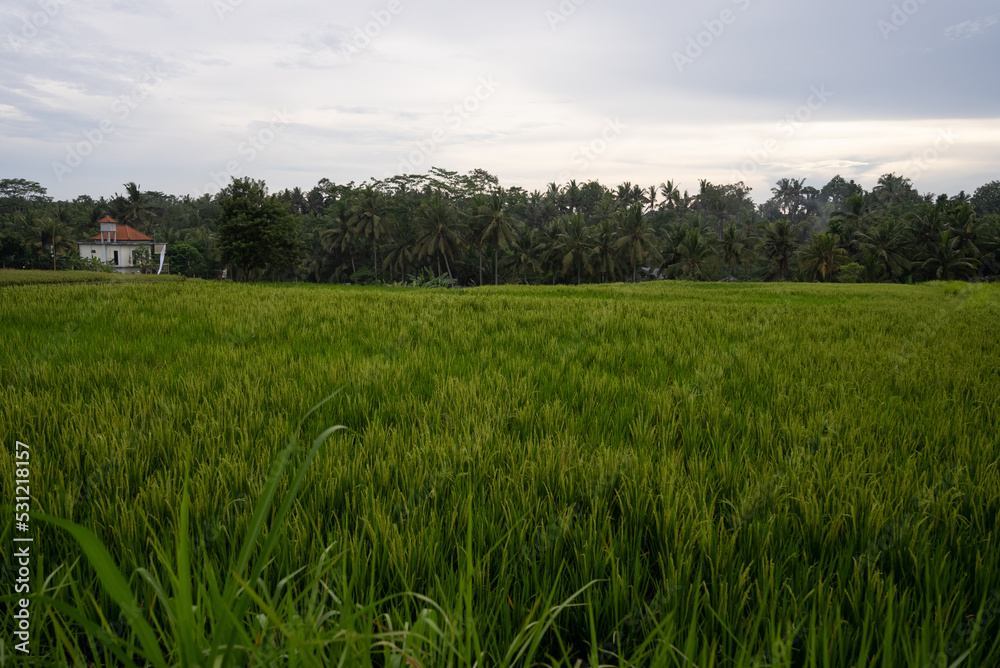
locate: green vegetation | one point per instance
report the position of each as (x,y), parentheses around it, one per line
(474,231)
(704,474)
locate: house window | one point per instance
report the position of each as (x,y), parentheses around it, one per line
(115,260)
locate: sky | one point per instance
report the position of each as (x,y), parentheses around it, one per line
(181,96)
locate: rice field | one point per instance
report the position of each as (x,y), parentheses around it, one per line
(663,474)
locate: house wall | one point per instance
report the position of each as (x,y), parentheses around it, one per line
(105,252)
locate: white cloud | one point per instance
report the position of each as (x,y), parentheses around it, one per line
(969,29)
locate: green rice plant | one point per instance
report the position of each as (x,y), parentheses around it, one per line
(659,474)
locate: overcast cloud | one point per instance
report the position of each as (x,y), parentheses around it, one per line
(178,96)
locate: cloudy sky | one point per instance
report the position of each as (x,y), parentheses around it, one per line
(178,96)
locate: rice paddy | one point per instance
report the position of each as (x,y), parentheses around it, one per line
(666,474)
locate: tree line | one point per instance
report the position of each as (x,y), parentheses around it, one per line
(467,229)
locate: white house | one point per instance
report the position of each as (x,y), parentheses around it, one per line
(116,244)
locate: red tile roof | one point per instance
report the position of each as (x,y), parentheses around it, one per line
(125,233)
(107,219)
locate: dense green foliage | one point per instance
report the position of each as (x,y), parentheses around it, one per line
(785,475)
(474,231)
(257,232)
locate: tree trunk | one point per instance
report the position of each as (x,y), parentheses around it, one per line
(447,266)
(496,265)
(480,266)
(375,249)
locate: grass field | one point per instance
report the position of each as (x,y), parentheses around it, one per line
(722,475)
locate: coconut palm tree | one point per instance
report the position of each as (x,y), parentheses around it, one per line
(499,227)
(671,195)
(575,246)
(605,256)
(886,243)
(823,257)
(946,261)
(136,211)
(734,248)
(696,253)
(525,261)
(549,241)
(370,218)
(400,256)
(789,195)
(850,222)
(779,244)
(54,236)
(637,241)
(339,234)
(439,226)
(476,225)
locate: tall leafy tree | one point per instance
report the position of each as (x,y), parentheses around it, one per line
(257,232)
(986,199)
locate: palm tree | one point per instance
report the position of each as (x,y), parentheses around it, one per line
(780,245)
(499,227)
(886,243)
(735,247)
(369,216)
(339,234)
(946,261)
(401,257)
(53,235)
(694,252)
(548,245)
(438,222)
(649,197)
(789,195)
(136,212)
(637,240)
(575,246)
(524,260)
(671,195)
(476,225)
(851,222)
(893,190)
(823,257)
(604,256)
